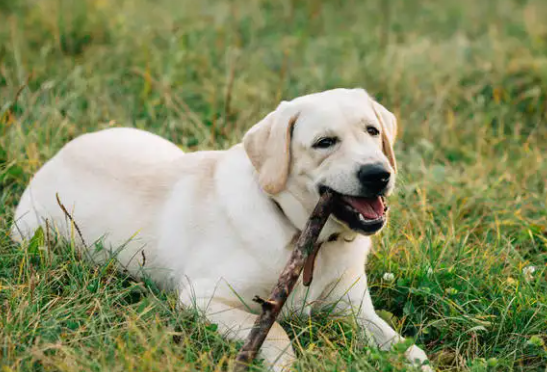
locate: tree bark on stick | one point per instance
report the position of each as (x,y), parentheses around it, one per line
(287,280)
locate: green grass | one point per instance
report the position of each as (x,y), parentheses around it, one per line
(467,79)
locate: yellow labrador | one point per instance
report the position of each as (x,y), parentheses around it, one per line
(218,226)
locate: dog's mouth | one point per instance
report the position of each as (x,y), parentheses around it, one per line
(365,215)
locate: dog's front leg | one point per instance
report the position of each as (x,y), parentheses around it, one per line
(351,294)
(235,323)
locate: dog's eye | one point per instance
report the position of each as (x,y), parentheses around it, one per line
(372,131)
(325,142)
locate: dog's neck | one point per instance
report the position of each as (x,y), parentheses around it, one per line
(291,208)
(294,211)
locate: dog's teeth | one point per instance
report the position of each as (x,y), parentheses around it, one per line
(362,218)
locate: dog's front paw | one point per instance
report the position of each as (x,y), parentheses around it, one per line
(418,357)
(276,358)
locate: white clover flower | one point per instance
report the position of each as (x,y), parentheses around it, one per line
(429,271)
(388,277)
(528,272)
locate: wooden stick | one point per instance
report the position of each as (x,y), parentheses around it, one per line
(287,280)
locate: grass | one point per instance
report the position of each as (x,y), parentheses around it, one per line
(467,79)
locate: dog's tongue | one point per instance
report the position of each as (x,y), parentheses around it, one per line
(370,208)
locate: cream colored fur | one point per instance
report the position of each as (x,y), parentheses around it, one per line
(205,224)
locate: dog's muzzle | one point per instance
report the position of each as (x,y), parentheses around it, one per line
(362,214)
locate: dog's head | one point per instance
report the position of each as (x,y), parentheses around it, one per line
(338,139)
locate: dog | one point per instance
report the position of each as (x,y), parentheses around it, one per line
(218,227)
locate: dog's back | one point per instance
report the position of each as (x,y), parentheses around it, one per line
(115,176)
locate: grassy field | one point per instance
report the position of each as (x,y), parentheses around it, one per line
(467,79)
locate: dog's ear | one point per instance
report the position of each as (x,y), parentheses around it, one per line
(388,123)
(268,146)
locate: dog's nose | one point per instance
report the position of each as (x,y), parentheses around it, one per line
(373,178)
